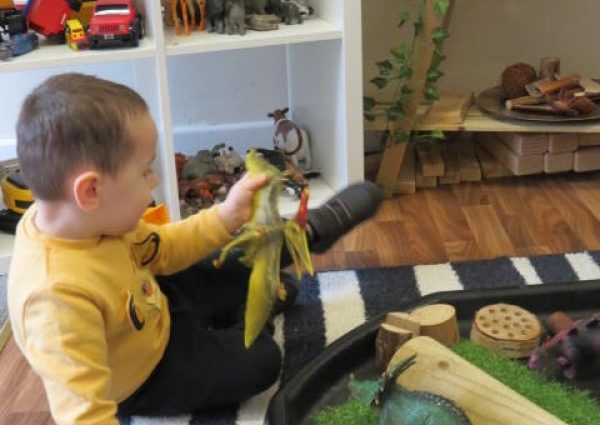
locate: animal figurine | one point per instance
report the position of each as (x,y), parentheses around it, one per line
(215,16)
(227,159)
(190,13)
(262,240)
(399,406)
(291,139)
(574,351)
(235,17)
(198,165)
(256,6)
(293,11)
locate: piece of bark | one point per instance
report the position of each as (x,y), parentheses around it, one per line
(389,339)
(558,162)
(437,321)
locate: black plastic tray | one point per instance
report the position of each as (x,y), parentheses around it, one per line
(323,381)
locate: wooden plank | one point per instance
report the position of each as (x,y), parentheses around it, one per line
(586,159)
(485,400)
(430,159)
(519,165)
(406,180)
(470,170)
(589,139)
(451,164)
(422,54)
(558,162)
(525,143)
(562,142)
(491,168)
(451,109)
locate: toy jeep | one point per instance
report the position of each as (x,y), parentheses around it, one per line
(115,23)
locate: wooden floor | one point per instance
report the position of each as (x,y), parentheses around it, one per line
(510,216)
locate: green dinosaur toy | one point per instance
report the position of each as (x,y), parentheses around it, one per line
(262,239)
(400,406)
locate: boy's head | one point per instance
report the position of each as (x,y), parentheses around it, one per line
(89,140)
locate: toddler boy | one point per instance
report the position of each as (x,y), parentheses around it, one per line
(118,316)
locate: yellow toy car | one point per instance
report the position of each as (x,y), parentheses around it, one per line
(75,35)
(15,193)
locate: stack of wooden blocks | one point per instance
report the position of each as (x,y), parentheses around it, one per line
(498,154)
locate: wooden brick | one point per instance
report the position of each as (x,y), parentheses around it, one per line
(422,180)
(406,178)
(562,142)
(451,109)
(470,170)
(525,143)
(519,165)
(558,162)
(430,158)
(451,164)
(586,159)
(490,166)
(589,139)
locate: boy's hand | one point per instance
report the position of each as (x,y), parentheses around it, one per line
(237,207)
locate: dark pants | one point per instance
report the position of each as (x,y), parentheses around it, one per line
(205,363)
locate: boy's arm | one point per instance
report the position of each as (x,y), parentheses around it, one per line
(182,243)
(65,344)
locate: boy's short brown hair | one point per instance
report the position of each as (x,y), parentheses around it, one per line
(72,120)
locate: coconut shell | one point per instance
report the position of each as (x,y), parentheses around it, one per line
(515,78)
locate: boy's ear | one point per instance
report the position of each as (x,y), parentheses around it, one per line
(86,190)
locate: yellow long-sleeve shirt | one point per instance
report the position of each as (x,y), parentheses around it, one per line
(88,314)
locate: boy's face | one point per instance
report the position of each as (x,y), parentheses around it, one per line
(126,195)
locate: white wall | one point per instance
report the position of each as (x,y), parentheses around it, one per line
(488,35)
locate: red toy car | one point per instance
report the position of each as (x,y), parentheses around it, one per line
(115,23)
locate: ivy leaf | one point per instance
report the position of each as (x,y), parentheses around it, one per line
(368,103)
(379,82)
(405,71)
(432,93)
(400,52)
(404,16)
(433,75)
(401,136)
(441,6)
(437,135)
(385,67)
(437,58)
(438,35)
(369,117)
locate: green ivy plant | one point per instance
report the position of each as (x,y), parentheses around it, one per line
(397,70)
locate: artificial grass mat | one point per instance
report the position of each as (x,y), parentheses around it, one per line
(575,407)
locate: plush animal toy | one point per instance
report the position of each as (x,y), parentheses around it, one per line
(291,140)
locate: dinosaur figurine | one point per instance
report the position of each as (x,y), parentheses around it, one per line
(262,240)
(400,406)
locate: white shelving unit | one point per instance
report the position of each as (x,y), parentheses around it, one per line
(206,88)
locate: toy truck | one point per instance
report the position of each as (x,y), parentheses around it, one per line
(115,23)
(48,17)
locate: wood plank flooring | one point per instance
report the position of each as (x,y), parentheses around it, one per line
(508,216)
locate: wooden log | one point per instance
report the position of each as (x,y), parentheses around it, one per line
(558,162)
(451,109)
(429,156)
(406,180)
(491,168)
(437,321)
(485,400)
(470,170)
(586,159)
(450,156)
(544,86)
(389,339)
(519,165)
(506,329)
(525,143)
(562,142)
(588,139)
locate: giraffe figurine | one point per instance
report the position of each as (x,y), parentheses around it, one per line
(189,20)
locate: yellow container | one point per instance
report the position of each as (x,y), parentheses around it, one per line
(15,193)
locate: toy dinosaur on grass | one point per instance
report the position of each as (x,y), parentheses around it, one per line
(262,239)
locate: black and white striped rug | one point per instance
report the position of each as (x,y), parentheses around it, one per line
(332,303)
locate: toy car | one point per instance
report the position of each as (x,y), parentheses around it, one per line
(115,23)
(23,43)
(75,35)
(48,18)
